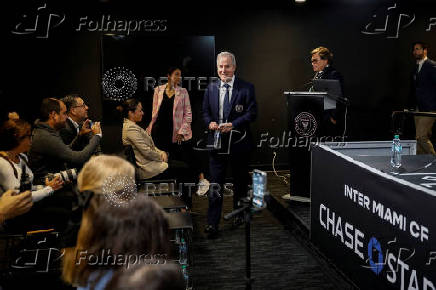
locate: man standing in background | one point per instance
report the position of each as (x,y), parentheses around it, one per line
(423,97)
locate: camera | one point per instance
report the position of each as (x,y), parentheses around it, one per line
(68,175)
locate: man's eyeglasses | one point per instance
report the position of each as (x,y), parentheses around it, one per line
(80,106)
(315,60)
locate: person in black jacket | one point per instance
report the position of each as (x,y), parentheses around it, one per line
(423,96)
(322,66)
(77,131)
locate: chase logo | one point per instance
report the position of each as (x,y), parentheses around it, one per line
(375,253)
(40,23)
(389,21)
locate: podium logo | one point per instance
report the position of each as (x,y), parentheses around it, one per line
(389,22)
(305,124)
(40,23)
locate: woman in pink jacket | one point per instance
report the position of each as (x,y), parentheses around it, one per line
(170,125)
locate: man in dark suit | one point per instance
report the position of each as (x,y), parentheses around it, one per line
(77,131)
(229,106)
(423,96)
(322,66)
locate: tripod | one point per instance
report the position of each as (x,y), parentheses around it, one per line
(248,209)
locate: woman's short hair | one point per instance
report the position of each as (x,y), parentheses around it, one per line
(324,53)
(148,277)
(12,132)
(128,106)
(99,169)
(123,236)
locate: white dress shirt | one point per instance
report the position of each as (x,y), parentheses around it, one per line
(75,125)
(420,63)
(222,95)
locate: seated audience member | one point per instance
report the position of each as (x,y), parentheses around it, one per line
(77,126)
(15,174)
(77,131)
(151,161)
(48,153)
(15,140)
(136,229)
(13,204)
(148,277)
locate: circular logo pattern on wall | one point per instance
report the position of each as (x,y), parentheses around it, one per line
(305,124)
(119,190)
(119,84)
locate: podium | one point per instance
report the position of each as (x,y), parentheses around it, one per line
(306,113)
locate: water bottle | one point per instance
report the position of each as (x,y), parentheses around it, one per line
(179,234)
(185,275)
(183,252)
(396,152)
(217,140)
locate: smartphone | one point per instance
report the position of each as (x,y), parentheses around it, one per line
(259,188)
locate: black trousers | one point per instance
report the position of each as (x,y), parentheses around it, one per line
(218,163)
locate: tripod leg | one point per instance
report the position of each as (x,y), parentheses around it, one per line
(248,248)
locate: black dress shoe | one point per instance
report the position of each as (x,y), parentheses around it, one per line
(239,220)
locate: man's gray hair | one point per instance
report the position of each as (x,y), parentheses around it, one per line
(227,54)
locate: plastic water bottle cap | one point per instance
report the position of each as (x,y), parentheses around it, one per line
(396,136)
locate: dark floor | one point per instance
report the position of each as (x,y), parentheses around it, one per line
(279,260)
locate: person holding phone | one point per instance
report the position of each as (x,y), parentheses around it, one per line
(77,130)
(15,173)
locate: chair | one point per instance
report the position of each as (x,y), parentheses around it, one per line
(145,185)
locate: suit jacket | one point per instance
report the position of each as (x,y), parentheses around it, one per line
(148,157)
(182,114)
(330,73)
(243,107)
(423,89)
(70,137)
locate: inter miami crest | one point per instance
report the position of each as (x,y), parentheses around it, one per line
(305,124)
